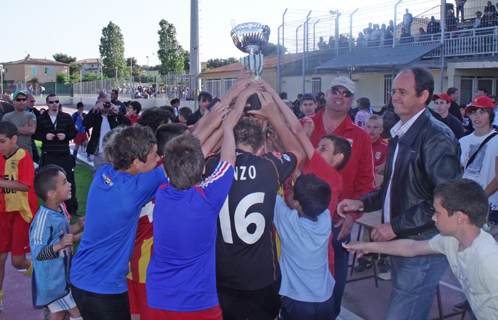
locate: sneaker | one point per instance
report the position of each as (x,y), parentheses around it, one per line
(383,265)
(461,306)
(363,264)
(385,275)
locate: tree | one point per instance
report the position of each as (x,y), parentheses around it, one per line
(74,68)
(216,63)
(62,77)
(90,77)
(132,62)
(34,80)
(64,58)
(112,50)
(75,78)
(271,49)
(170,52)
(186,61)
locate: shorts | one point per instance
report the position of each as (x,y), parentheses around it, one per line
(208,314)
(80,138)
(297,310)
(138,299)
(63,304)
(99,306)
(261,304)
(14,234)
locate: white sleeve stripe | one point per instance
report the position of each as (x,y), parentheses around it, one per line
(220,170)
(38,231)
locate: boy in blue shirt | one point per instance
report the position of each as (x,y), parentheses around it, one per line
(51,239)
(115,200)
(181,277)
(304,226)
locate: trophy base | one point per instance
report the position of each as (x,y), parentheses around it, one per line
(254,62)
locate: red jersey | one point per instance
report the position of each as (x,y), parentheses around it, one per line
(358,176)
(19,167)
(379,149)
(133,119)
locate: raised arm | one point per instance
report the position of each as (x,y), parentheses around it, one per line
(228,142)
(401,248)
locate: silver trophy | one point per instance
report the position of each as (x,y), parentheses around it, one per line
(251,37)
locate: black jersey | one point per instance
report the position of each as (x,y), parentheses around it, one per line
(245,245)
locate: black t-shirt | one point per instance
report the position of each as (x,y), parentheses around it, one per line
(455,110)
(246,256)
(194,117)
(455,125)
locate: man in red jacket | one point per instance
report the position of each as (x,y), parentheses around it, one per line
(358,175)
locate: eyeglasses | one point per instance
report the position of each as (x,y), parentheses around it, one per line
(55,101)
(345,94)
(20,99)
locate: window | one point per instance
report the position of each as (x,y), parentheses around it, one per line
(213,87)
(316,85)
(227,84)
(388,84)
(6,70)
(33,70)
(48,70)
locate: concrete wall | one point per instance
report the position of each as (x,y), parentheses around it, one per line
(89,100)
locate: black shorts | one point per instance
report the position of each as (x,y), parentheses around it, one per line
(261,304)
(96,306)
(297,310)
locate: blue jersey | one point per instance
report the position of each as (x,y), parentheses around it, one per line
(181,275)
(114,203)
(50,278)
(78,121)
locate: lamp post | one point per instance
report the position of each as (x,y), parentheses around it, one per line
(1,78)
(147,71)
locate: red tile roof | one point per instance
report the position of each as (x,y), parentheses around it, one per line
(38,62)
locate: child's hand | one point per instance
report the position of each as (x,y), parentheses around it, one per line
(81,222)
(268,107)
(67,240)
(308,127)
(232,118)
(354,247)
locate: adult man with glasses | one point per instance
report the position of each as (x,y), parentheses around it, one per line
(55,130)
(358,175)
(25,121)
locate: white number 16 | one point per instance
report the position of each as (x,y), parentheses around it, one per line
(242,221)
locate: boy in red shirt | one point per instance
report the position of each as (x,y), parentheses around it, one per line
(374,126)
(133,109)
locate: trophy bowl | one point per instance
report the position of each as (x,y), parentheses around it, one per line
(250,37)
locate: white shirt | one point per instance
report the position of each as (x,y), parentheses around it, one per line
(482,169)
(475,269)
(399,130)
(104,128)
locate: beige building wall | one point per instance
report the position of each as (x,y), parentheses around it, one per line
(23,72)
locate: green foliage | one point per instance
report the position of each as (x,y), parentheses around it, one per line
(170,52)
(186,59)
(90,77)
(112,50)
(75,78)
(74,68)
(132,62)
(216,63)
(271,49)
(64,58)
(34,80)
(62,78)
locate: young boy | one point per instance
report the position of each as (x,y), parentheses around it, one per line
(82,137)
(133,109)
(442,102)
(51,239)
(115,200)
(461,207)
(144,240)
(363,112)
(305,226)
(181,277)
(374,127)
(184,113)
(18,202)
(308,105)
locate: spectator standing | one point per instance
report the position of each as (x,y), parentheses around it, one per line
(363,113)
(468,127)
(81,138)
(183,115)
(308,105)
(296,105)
(490,15)
(358,175)
(433,26)
(428,153)
(459,6)
(451,21)
(407,22)
(30,107)
(55,129)
(454,94)
(442,103)
(479,21)
(6,106)
(117,103)
(24,121)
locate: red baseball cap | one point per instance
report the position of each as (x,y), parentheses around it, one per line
(480,102)
(443,96)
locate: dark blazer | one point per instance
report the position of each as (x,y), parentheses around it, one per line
(94,120)
(63,124)
(428,155)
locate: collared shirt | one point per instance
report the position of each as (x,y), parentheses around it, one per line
(397,131)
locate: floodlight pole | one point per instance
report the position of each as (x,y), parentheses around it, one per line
(297,30)
(395,21)
(314,37)
(443,26)
(351,30)
(337,15)
(1,79)
(305,42)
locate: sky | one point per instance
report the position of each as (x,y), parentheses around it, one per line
(75,27)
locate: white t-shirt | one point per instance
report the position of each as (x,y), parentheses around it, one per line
(482,169)
(476,270)
(304,255)
(105,127)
